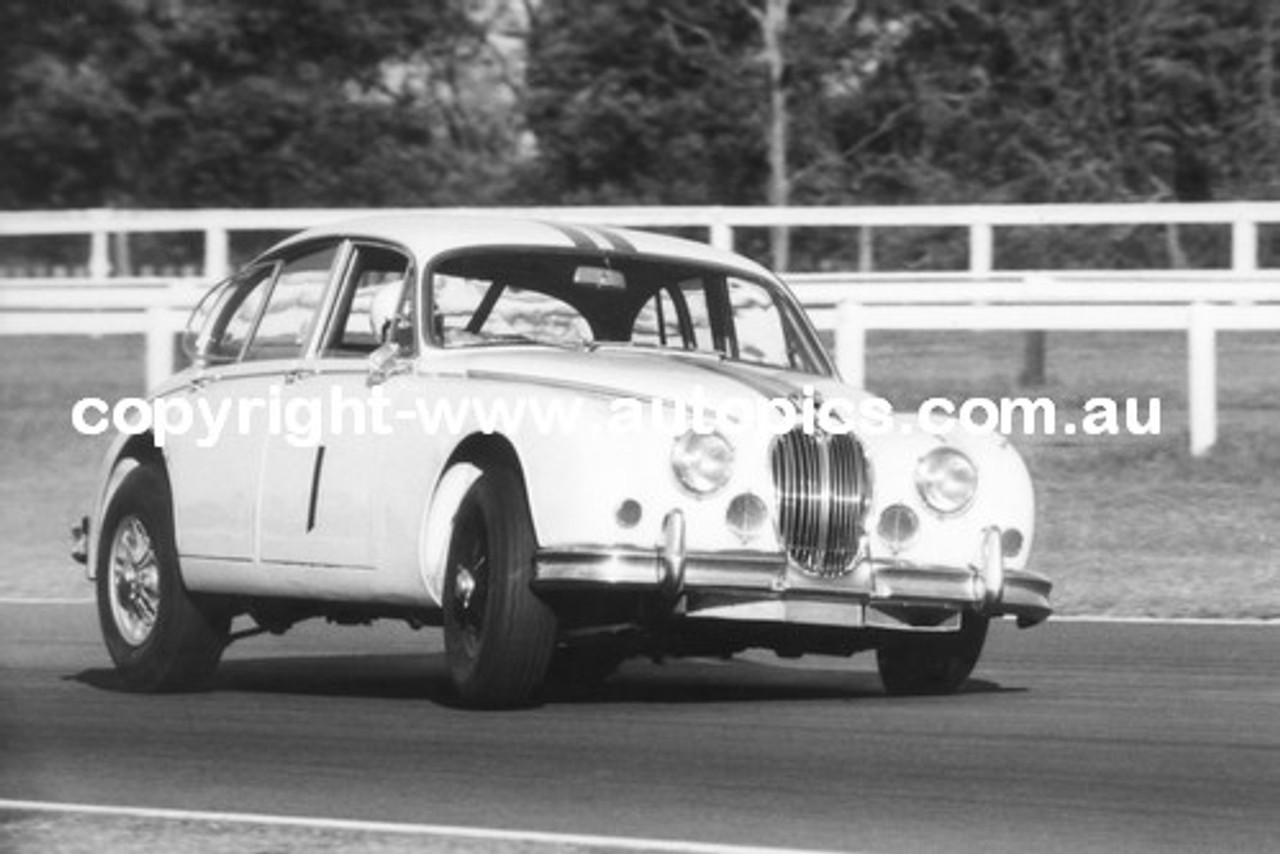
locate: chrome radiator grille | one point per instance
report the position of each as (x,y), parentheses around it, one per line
(823,486)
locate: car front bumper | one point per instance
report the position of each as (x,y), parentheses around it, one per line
(879,593)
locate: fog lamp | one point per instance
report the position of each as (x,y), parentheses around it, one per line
(746,516)
(898,525)
(629,513)
(1011,542)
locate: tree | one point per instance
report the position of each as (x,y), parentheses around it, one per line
(647,101)
(773,33)
(196,102)
(643,102)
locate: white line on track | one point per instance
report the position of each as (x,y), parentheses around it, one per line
(44,600)
(622,843)
(1169,621)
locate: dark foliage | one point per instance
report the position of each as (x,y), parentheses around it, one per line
(382,102)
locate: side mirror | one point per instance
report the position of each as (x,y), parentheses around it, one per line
(385,362)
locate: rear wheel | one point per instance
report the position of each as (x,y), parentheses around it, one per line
(499,635)
(932,663)
(160,637)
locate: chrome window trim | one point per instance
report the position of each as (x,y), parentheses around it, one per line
(342,248)
(342,282)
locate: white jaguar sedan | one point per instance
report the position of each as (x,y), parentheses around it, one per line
(567,445)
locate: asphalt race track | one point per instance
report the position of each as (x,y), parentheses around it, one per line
(1072,737)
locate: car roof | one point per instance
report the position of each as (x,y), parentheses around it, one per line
(428,235)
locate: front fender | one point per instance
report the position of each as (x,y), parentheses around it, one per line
(437,527)
(578,483)
(1005,498)
(116,463)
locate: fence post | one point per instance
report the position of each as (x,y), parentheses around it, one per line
(866,250)
(851,344)
(217,253)
(99,254)
(159,336)
(1202,379)
(981,247)
(721,234)
(1244,245)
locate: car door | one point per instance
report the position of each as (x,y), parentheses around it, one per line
(319,487)
(213,469)
(255,346)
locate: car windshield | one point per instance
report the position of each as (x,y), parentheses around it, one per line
(579,301)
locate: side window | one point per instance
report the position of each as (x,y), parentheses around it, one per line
(292,306)
(374,305)
(226,336)
(762,337)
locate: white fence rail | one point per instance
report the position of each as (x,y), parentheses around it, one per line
(1199,303)
(982,223)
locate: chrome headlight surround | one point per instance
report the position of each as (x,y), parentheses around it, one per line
(947,480)
(702,462)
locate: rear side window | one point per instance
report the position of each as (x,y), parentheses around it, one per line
(239,320)
(221,324)
(286,323)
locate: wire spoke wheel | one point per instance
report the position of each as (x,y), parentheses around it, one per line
(160,637)
(134,584)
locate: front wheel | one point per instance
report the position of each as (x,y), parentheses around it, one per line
(498,634)
(932,663)
(160,637)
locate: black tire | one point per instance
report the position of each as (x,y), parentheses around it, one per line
(923,664)
(498,634)
(160,637)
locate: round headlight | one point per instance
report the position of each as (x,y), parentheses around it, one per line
(947,480)
(702,462)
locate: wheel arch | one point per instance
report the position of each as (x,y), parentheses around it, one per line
(489,449)
(470,457)
(127,452)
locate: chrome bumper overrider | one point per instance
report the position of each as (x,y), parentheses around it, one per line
(748,585)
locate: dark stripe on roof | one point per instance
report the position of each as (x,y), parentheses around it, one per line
(581,240)
(616,240)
